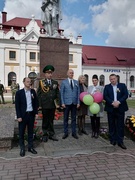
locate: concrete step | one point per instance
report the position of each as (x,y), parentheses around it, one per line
(6,126)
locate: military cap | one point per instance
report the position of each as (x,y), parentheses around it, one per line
(48,68)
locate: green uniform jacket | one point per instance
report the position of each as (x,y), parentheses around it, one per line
(14,88)
(48,95)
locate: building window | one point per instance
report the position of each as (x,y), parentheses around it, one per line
(118,77)
(32,56)
(11,77)
(132,85)
(71,58)
(102,80)
(38,56)
(12,55)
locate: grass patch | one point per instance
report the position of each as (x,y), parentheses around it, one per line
(131,103)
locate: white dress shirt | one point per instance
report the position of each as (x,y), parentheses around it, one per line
(115,92)
(70,81)
(28,100)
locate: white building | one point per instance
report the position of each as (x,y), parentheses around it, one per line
(19,54)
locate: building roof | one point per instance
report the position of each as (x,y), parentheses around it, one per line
(21,22)
(104,56)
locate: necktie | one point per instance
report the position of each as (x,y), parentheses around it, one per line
(49,82)
(71,83)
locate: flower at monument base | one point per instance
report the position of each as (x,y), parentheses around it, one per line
(104,133)
(40,115)
(58,115)
(130,125)
(37,132)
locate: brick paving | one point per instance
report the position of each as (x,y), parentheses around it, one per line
(98,166)
(70,159)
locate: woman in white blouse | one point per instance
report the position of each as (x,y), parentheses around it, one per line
(95,118)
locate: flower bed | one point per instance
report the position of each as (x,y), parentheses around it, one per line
(58,115)
(104,133)
(130,127)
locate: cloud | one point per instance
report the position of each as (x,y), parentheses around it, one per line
(22,8)
(117,19)
(27,8)
(73,25)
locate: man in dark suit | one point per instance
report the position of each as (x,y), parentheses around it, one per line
(70,93)
(26,105)
(115,95)
(48,96)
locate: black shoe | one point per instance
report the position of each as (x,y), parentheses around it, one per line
(65,136)
(96,135)
(75,136)
(80,132)
(122,145)
(45,138)
(33,151)
(84,132)
(22,152)
(113,143)
(53,138)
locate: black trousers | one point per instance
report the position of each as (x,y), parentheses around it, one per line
(116,126)
(47,122)
(27,121)
(95,123)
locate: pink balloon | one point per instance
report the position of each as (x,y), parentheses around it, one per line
(98,97)
(82,95)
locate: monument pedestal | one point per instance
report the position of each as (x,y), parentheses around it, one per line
(54,51)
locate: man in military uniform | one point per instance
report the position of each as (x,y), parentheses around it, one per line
(1,93)
(14,87)
(48,96)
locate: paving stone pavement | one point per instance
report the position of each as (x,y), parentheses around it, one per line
(70,159)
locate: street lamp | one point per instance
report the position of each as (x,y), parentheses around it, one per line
(127,71)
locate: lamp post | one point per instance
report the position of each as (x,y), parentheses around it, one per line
(127,71)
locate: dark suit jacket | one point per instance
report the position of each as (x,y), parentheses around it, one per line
(21,104)
(122,95)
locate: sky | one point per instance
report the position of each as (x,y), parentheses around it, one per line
(99,22)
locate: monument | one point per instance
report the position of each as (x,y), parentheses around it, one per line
(54,49)
(51,16)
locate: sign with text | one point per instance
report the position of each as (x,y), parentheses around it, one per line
(112,70)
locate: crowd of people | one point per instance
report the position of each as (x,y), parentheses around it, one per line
(49,96)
